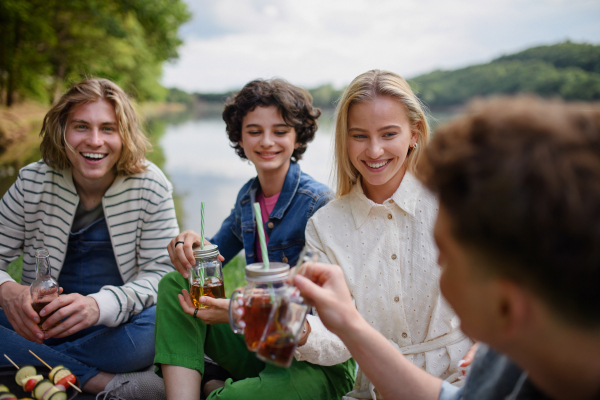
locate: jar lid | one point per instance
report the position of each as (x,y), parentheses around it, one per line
(210,250)
(277,271)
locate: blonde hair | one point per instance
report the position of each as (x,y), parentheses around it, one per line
(364,88)
(135,143)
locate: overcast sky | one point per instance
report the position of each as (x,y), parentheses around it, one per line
(311,42)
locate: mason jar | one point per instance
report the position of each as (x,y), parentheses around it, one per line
(206,275)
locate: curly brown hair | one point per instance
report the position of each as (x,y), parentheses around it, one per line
(135,143)
(294,104)
(520,178)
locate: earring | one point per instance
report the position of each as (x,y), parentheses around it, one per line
(415,146)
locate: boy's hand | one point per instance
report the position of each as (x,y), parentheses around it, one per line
(16,302)
(324,286)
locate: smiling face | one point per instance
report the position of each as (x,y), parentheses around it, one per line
(267,140)
(92,132)
(379,136)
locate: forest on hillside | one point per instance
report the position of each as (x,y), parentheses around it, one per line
(567,70)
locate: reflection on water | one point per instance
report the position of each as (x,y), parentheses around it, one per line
(195,154)
(203,167)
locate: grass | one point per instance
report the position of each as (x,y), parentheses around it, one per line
(14,269)
(234,274)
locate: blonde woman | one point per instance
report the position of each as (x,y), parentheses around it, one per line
(379,230)
(106,215)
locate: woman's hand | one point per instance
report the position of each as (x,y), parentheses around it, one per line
(182,254)
(16,302)
(217,314)
(80,312)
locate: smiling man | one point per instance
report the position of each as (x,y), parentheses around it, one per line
(106,215)
(518,232)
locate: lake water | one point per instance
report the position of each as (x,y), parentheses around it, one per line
(203,167)
(195,154)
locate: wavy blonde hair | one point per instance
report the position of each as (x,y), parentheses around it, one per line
(364,88)
(135,143)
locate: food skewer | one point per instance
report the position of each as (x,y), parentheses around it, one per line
(11,361)
(49,367)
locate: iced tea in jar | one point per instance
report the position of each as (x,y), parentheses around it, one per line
(251,306)
(206,275)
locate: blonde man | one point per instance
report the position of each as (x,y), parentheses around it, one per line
(106,215)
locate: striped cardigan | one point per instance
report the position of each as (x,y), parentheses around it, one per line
(38,211)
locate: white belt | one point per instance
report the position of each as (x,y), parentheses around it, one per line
(448,339)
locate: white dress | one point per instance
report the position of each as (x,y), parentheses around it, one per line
(389,259)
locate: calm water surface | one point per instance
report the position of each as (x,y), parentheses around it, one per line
(203,167)
(195,154)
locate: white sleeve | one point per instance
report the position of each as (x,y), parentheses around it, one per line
(322,347)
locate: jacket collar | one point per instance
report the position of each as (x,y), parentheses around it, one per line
(405,197)
(290,186)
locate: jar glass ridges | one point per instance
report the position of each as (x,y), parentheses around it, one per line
(206,275)
(251,306)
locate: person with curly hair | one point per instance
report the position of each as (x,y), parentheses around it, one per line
(269,123)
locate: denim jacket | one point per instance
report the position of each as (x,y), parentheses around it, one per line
(301,196)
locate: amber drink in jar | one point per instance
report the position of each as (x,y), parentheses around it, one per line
(206,275)
(251,306)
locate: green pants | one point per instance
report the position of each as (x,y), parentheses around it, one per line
(183,340)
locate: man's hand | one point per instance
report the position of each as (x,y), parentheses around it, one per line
(16,302)
(217,314)
(324,286)
(182,254)
(80,312)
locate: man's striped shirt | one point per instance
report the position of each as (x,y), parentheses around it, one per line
(38,211)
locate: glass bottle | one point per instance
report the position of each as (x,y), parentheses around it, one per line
(44,289)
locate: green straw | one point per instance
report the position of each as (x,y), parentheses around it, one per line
(202,226)
(261,236)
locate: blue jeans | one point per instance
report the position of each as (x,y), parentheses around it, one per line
(89,264)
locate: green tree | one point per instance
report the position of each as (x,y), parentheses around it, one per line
(49,43)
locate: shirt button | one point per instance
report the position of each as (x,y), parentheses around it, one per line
(393,256)
(270,225)
(391,201)
(396,299)
(404,335)
(389,216)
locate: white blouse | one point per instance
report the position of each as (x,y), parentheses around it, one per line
(389,259)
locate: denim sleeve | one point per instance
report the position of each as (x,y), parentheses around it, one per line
(228,239)
(321,201)
(449,392)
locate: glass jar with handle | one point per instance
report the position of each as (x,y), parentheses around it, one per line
(250,307)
